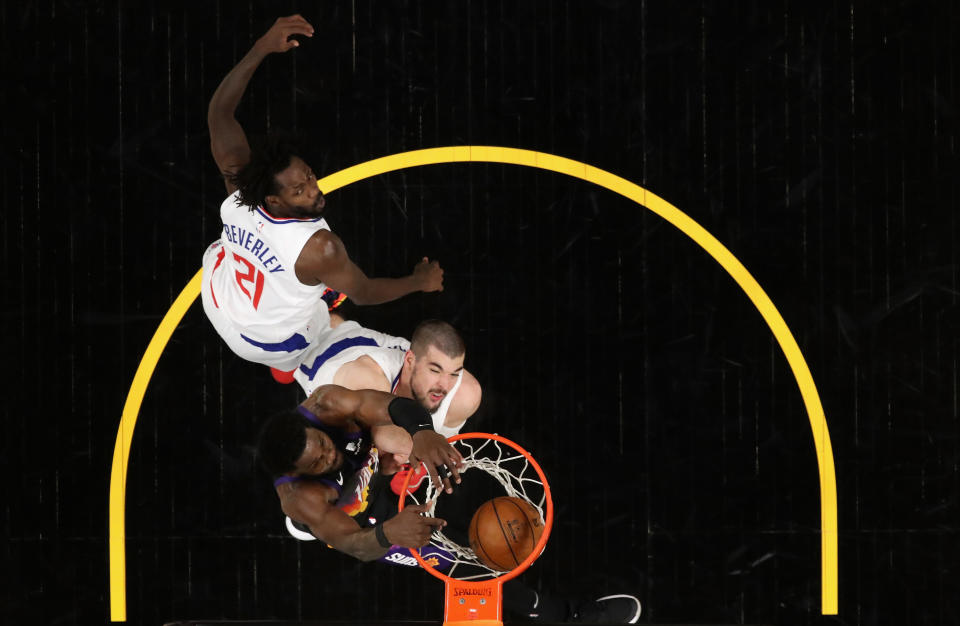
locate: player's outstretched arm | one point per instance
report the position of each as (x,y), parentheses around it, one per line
(409,529)
(337,406)
(324,260)
(228,143)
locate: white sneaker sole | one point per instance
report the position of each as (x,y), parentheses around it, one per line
(636,615)
(297,533)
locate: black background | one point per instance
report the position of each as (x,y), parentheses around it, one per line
(817,141)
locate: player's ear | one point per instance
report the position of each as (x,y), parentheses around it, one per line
(273,201)
(409,358)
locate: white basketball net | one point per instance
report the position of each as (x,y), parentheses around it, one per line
(507,466)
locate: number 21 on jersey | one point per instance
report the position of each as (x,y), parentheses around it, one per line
(252,277)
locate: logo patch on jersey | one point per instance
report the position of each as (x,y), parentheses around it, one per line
(353,500)
(400,559)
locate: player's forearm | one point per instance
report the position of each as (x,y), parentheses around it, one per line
(380,290)
(363,545)
(227,97)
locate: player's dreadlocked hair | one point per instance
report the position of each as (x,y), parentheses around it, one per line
(281,442)
(439,334)
(269,156)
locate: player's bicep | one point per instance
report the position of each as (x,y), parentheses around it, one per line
(229,147)
(315,507)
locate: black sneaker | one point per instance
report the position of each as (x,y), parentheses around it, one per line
(616,609)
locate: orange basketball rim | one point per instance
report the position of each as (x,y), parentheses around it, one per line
(478,602)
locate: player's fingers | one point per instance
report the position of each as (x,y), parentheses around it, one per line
(434,477)
(419,508)
(299,29)
(296,18)
(453,472)
(446,483)
(454,455)
(434,522)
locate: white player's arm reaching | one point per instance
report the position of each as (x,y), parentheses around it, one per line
(228,142)
(324,259)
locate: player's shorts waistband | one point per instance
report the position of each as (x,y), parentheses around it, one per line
(333,350)
(294,343)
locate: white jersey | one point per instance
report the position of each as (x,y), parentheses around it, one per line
(348,342)
(251,291)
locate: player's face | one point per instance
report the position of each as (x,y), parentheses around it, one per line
(434,375)
(299,195)
(319,456)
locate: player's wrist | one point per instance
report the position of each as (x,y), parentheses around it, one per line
(409,415)
(381,536)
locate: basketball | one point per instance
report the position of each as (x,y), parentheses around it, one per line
(504,531)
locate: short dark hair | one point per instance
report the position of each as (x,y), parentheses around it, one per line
(439,334)
(282,439)
(269,156)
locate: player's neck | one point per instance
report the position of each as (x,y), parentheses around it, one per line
(403,385)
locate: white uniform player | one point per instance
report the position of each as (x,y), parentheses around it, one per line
(348,342)
(251,292)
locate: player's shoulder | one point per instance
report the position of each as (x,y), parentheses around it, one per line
(309,502)
(232,204)
(305,495)
(322,246)
(362,373)
(470,392)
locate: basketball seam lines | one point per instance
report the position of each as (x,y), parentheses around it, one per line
(496,512)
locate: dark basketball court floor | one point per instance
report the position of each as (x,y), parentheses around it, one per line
(815,143)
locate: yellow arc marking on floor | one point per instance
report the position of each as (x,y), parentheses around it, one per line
(514,156)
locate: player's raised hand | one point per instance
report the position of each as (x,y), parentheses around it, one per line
(411,528)
(429,275)
(277,39)
(438,455)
